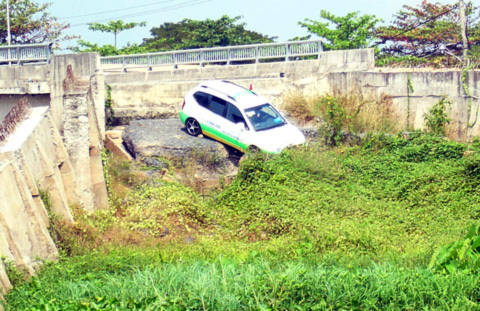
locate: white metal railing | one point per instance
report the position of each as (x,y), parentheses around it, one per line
(254,52)
(25,53)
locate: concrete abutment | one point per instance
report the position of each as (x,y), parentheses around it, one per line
(54,153)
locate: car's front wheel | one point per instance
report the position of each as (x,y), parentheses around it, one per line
(193,127)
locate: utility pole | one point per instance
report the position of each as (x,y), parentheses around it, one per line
(9,35)
(463,27)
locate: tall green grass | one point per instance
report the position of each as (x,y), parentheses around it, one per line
(255,285)
(314,228)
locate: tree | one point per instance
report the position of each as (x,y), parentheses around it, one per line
(108,49)
(114,27)
(427,30)
(343,32)
(30,23)
(190,34)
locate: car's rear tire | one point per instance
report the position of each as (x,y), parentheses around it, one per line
(193,127)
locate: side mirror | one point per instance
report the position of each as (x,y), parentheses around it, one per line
(241,126)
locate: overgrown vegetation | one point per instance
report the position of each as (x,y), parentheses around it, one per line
(349,227)
(16,275)
(436,119)
(339,114)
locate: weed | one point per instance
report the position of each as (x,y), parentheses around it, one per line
(16,275)
(472,167)
(463,254)
(209,159)
(109,112)
(334,117)
(343,113)
(436,119)
(299,107)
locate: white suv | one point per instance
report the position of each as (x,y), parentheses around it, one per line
(238,117)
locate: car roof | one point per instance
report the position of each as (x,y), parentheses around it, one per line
(243,97)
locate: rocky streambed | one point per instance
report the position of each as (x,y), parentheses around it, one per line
(163,144)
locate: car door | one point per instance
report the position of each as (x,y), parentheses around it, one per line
(237,127)
(212,111)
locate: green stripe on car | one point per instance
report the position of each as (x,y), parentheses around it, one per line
(183,117)
(217,135)
(223,138)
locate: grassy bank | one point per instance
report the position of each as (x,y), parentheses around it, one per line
(350,227)
(137,283)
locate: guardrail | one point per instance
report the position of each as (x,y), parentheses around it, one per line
(25,53)
(254,52)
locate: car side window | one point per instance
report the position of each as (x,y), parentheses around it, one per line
(202,99)
(235,115)
(218,105)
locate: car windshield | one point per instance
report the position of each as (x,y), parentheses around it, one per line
(264,117)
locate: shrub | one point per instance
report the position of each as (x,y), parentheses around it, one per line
(463,254)
(299,107)
(415,147)
(472,167)
(436,119)
(343,113)
(16,275)
(334,117)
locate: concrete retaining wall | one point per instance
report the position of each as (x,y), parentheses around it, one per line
(160,93)
(428,88)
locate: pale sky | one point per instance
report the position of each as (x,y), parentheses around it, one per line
(271,17)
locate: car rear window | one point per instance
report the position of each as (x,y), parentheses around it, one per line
(212,103)
(202,99)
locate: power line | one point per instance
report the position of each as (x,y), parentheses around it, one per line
(149,12)
(117,10)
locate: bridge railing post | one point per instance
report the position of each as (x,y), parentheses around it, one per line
(320,49)
(257,54)
(287,52)
(229,55)
(18,56)
(49,52)
(9,55)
